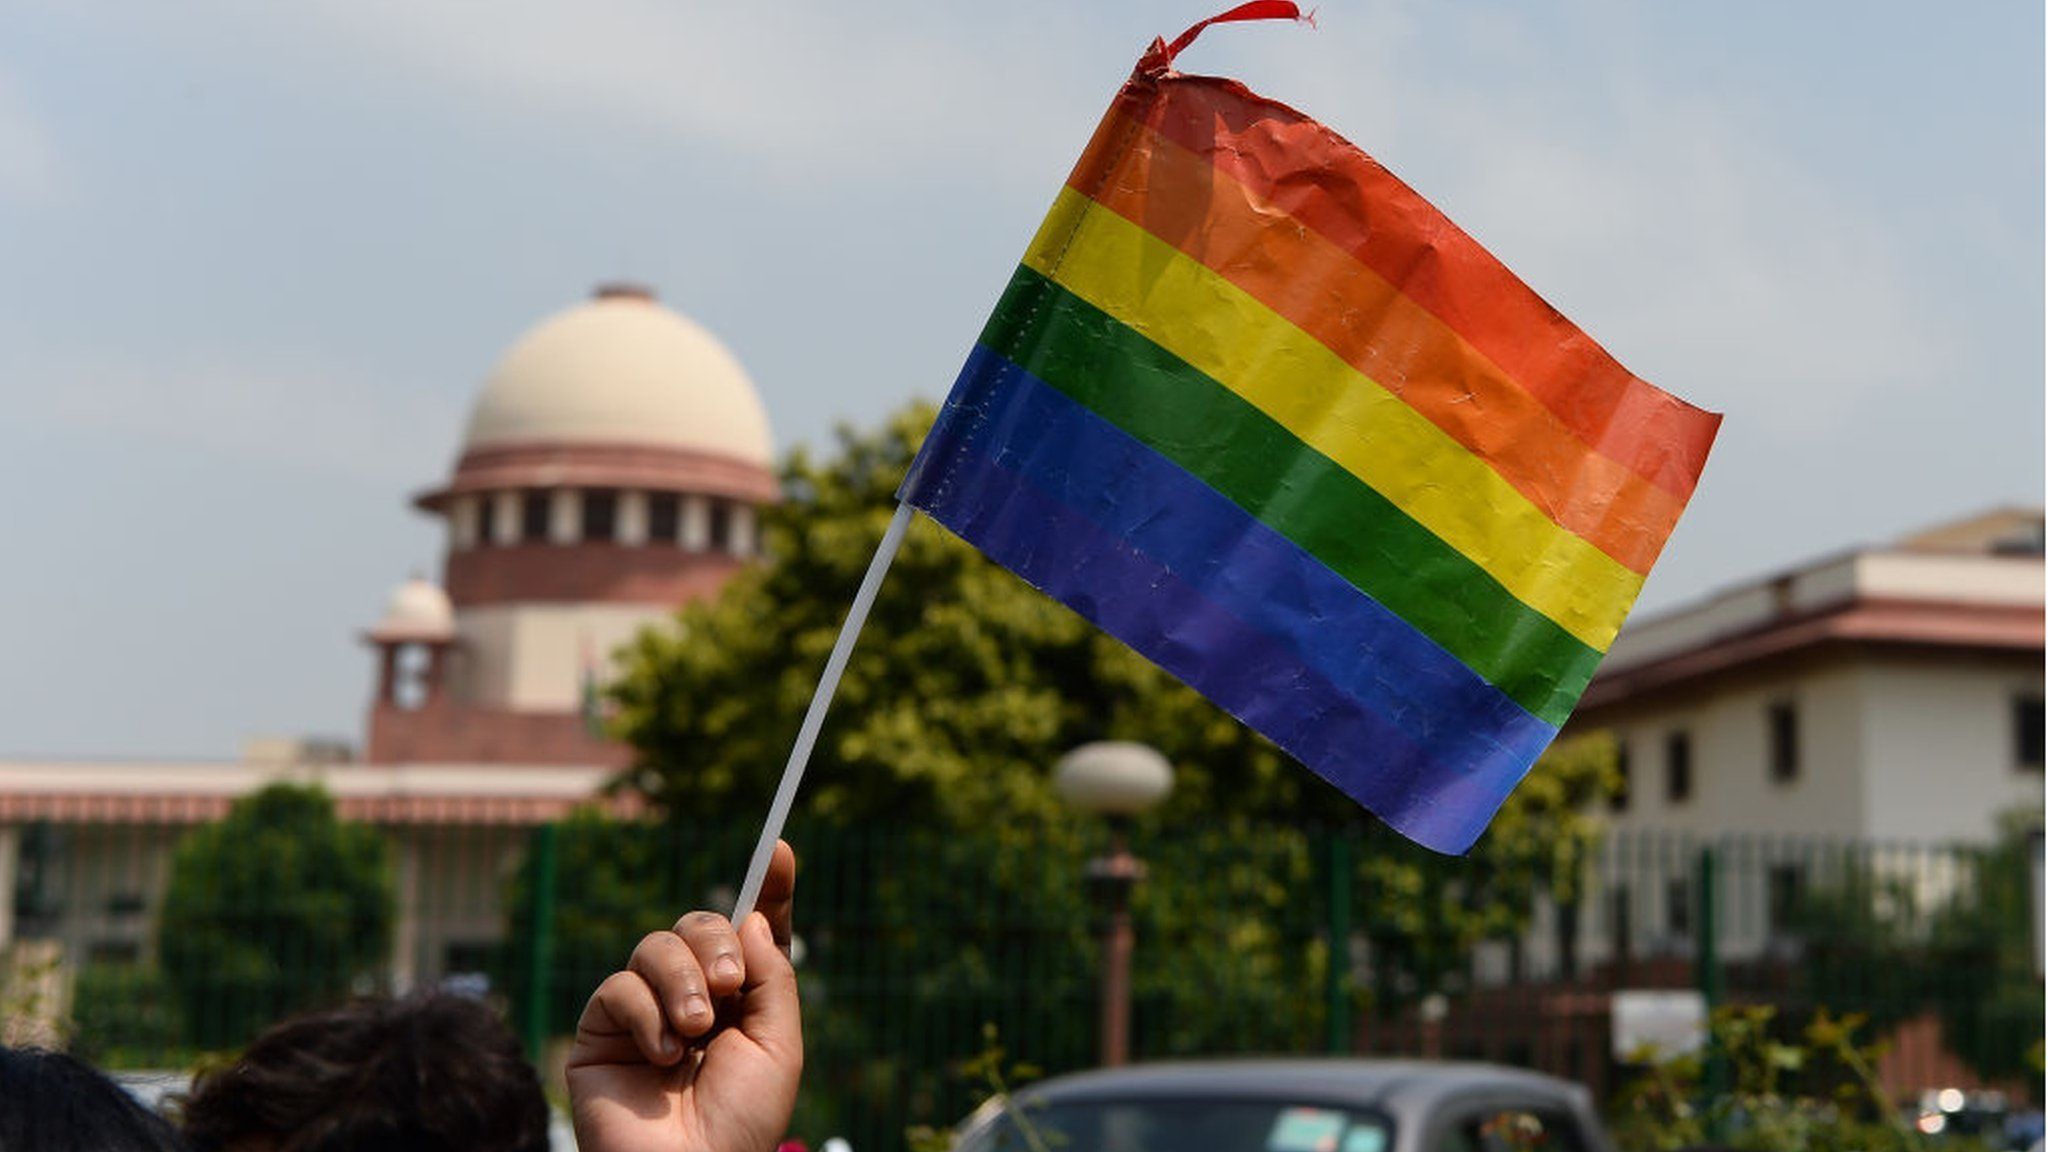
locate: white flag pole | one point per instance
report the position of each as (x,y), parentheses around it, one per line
(814,719)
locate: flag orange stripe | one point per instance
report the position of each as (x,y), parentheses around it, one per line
(1327,184)
(1183,200)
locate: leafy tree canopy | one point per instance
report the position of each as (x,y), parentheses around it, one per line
(966,687)
(1872,948)
(277,908)
(946,859)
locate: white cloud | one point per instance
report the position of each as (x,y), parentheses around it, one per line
(321,420)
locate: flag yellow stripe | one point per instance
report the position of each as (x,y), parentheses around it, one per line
(1335,410)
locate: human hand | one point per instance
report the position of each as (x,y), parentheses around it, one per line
(697,1045)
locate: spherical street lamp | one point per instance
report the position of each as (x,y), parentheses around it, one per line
(1115,779)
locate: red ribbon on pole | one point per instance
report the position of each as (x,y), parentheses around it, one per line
(1160,56)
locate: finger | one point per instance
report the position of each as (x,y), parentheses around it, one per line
(716,947)
(664,961)
(778,892)
(770,1014)
(624,1007)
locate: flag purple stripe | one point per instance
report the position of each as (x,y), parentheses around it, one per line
(1241,614)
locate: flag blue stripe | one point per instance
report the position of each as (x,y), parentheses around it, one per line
(1166,564)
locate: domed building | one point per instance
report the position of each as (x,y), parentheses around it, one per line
(611,470)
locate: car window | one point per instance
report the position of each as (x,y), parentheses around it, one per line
(1184,1126)
(1511,1130)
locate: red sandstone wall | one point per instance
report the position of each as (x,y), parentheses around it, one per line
(587,573)
(443,733)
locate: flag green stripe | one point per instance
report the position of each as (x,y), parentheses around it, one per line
(1232,446)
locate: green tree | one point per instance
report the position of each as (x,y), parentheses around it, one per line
(1814,1088)
(1864,941)
(967,685)
(277,908)
(1426,911)
(1872,948)
(1982,953)
(615,881)
(123,1016)
(966,688)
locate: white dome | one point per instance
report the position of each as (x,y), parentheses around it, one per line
(621,369)
(418,610)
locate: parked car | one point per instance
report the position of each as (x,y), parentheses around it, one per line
(1286,1105)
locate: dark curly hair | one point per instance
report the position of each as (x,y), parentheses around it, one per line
(51,1102)
(437,1073)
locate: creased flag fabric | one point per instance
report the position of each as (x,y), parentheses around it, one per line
(1253,406)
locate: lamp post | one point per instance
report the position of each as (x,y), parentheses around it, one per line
(1116,780)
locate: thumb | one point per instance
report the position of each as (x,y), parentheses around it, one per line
(769,1015)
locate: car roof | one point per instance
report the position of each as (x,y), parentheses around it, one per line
(1391,1085)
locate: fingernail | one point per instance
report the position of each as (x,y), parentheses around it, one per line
(695,1005)
(670,1046)
(726,968)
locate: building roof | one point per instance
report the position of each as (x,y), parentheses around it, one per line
(139,792)
(621,370)
(1970,585)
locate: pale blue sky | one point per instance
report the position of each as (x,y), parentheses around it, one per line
(255,258)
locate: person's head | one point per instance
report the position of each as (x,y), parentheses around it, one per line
(426,1074)
(50,1102)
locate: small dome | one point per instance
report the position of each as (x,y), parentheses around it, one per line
(417,611)
(621,369)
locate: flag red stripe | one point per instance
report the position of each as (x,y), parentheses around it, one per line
(1326,183)
(1180,198)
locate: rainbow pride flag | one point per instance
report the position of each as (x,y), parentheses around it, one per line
(1254,407)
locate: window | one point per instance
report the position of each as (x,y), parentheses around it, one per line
(1567,926)
(1620,920)
(409,676)
(114,952)
(600,514)
(533,516)
(1140,1124)
(664,516)
(1782,721)
(2027,723)
(1678,767)
(1678,906)
(1784,891)
(460,956)
(721,526)
(486,520)
(1511,1129)
(1618,802)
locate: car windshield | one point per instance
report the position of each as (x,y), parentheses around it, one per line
(1183,1125)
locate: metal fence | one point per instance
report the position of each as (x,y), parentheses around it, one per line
(920,953)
